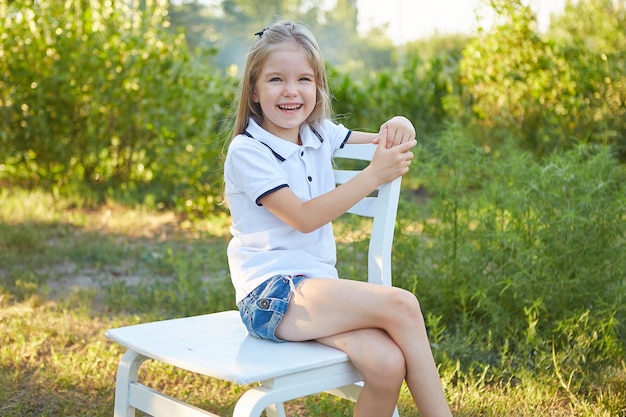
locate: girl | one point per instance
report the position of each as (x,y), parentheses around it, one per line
(282,198)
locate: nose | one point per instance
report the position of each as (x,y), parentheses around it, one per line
(290,90)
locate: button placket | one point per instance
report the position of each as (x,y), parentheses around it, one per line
(308,177)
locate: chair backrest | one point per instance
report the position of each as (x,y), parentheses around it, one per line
(381,206)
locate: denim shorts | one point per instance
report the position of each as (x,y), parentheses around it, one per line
(263,309)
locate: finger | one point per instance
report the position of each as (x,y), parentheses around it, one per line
(403,138)
(408,145)
(382,137)
(392,138)
(399,136)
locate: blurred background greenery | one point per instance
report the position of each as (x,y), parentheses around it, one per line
(511,227)
(131,101)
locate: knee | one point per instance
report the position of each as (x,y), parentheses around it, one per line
(385,366)
(393,366)
(389,370)
(378,358)
(404,304)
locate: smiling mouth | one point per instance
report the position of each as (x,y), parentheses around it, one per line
(290,107)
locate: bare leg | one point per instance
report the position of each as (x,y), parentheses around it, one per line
(381,364)
(323,308)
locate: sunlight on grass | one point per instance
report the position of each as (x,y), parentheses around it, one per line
(69,273)
(61,354)
(19,205)
(22,206)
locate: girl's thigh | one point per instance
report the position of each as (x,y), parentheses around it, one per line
(324,307)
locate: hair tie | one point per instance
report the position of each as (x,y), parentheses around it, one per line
(261,32)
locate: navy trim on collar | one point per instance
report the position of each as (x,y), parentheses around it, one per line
(277,155)
(316,133)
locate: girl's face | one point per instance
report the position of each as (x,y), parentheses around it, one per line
(286,91)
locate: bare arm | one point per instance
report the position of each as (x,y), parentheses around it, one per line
(387,164)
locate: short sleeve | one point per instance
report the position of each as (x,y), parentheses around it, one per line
(252,169)
(337,134)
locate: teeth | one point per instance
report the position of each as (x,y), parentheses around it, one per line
(293,107)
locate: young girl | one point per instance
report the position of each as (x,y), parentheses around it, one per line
(282,198)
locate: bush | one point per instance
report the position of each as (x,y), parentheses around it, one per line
(516,255)
(113,106)
(424,90)
(550,94)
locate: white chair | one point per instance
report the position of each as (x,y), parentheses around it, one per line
(217,345)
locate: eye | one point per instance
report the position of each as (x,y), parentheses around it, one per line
(306,79)
(275,79)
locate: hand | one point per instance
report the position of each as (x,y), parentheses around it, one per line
(392,162)
(396,131)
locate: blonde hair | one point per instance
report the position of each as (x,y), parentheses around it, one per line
(267,41)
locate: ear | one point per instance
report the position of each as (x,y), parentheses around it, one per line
(255,96)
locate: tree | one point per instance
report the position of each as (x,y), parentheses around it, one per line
(596,25)
(547,94)
(591,34)
(516,81)
(99,97)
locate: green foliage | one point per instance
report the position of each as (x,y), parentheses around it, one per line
(104,101)
(100,99)
(596,25)
(423,90)
(551,96)
(591,35)
(514,257)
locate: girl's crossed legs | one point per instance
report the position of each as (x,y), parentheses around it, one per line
(382,331)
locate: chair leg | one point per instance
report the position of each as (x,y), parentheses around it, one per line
(275,410)
(254,401)
(127,372)
(250,404)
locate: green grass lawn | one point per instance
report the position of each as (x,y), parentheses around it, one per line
(68,273)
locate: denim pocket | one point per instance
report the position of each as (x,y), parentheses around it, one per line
(263,309)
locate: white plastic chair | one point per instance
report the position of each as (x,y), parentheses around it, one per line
(217,345)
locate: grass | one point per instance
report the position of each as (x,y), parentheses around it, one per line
(68,273)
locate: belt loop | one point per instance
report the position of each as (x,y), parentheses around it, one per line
(290,280)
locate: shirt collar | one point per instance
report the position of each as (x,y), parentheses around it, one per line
(282,148)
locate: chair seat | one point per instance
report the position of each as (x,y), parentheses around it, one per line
(218,345)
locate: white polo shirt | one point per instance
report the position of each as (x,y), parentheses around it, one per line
(259,163)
